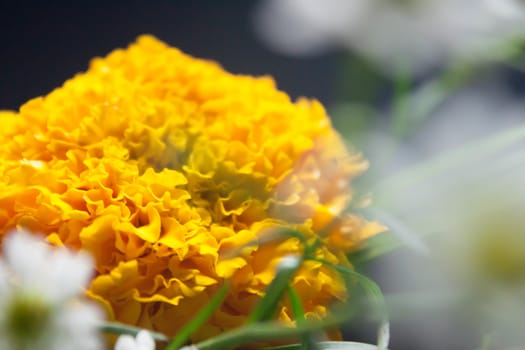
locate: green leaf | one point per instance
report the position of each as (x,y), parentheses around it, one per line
(267,307)
(330,345)
(296,305)
(510,52)
(119,328)
(370,287)
(184,334)
(266,331)
(377,299)
(374,247)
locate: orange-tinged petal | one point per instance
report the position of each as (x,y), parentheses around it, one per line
(177,176)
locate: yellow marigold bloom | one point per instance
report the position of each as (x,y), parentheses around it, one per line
(161,165)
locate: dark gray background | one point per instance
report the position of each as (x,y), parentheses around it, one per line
(42,44)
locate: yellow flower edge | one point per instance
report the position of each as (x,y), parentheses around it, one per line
(163,166)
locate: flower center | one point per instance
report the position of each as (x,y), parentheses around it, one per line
(27,318)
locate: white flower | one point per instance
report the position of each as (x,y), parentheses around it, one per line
(470,214)
(418,34)
(40,297)
(143,341)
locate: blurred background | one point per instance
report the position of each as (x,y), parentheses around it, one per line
(401,83)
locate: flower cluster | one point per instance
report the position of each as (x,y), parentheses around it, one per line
(167,169)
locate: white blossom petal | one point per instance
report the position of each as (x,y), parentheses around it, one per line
(145,340)
(125,342)
(142,341)
(71,271)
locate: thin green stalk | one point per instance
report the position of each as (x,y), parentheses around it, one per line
(265,331)
(371,288)
(375,247)
(120,328)
(298,314)
(267,306)
(410,109)
(296,305)
(189,328)
(330,345)
(401,111)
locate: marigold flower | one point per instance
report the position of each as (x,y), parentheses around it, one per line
(161,165)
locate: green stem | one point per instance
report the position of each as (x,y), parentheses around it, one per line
(191,327)
(411,109)
(260,332)
(486,341)
(401,112)
(119,328)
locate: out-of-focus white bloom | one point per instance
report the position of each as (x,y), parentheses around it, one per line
(40,297)
(143,341)
(408,34)
(473,115)
(470,213)
(484,254)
